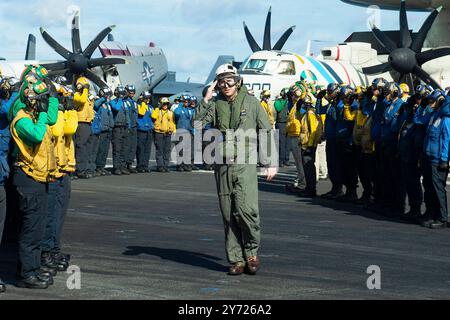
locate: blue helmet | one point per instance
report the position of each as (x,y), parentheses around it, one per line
(424,91)
(394,89)
(332,88)
(120,91)
(130,88)
(437,95)
(346,91)
(380,83)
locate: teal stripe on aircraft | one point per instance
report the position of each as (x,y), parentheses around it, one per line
(333,73)
(321,69)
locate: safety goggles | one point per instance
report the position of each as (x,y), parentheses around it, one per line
(227,83)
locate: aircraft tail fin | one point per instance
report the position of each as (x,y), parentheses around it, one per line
(220,60)
(31,48)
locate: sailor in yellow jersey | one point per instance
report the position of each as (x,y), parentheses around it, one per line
(164,127)
(34,167)
(266,104)
(84,104)
(59,190)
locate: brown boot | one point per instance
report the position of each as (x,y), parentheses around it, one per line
(253,264)
(236,269)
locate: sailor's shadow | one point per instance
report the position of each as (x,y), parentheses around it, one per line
(195,259)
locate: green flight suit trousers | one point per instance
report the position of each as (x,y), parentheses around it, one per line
(237,187)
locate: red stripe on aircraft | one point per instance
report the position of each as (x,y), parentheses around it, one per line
(346,72)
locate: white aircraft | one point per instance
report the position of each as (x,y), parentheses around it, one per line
(355,63)
(141,66)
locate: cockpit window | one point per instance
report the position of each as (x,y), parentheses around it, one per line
(271,66)
(256,64)
(286,67)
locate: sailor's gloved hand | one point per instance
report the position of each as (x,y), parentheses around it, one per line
(42,106)
(69,105)
(321,94)
(443,166)
(51,88)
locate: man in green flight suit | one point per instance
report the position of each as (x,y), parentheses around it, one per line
(237,183)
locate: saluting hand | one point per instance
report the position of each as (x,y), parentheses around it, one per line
(210,92)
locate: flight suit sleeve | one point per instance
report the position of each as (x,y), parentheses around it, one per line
(445,140)
(316,133)
(58,127)
(28,131)
(81,99)
(53,109)
(349,113)
(155,114)
(262,118)
(98,103)
(205,113)
(268,156)
(70,122)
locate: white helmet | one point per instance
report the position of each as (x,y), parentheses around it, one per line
(226,70)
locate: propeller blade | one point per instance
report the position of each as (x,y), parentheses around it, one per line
(419,39)
(280,43)
(57,66)
(405,35)
(384,40)
(381,68)
(251,41)
(267,45)
(94,78)
(105,62)
(432,54)
(57,73)
(96,42)
(63,52)
(76,42)
(425,77)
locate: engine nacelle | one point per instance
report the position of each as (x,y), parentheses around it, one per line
(355,53)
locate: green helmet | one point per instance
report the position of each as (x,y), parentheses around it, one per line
(37,71)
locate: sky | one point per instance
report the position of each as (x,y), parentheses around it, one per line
(192,33)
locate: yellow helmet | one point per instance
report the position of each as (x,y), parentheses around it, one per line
(165,101)
(265,93)
(82,81)
(405,88)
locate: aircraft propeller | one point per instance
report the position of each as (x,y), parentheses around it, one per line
(267,36)
(407,57)
(79,62)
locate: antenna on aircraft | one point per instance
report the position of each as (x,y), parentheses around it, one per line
(267,45)
(78,61)
(406,57)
